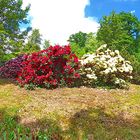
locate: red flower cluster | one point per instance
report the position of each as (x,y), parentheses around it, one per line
(11,68)
(50,67)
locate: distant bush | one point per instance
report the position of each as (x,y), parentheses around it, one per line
(53,67)
(77,50)
(11,68)
(106,67)
(135,61)
(136,73)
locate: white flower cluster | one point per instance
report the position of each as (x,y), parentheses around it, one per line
(107,66)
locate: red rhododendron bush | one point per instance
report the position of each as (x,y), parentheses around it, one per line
(52,67)
(11,68)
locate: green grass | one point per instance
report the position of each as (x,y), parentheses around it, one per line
(11,130)
(70,113)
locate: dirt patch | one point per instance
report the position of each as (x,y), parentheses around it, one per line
(63,103)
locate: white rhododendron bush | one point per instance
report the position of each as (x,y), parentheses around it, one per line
(105,67)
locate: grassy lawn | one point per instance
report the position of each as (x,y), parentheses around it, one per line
(73,113)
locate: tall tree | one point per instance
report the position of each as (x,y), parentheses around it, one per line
(82,43)
(46,44)
(11,17)
(77,43)
(120,31)
(91,43)
(34,42)
(78,38)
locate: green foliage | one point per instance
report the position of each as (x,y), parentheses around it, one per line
(136,65)
(11,16)
(11,130)
(77,43)
(119,31)
(46,44)
(30,86)
(78,38)
(34,42)
(35,37)
(91,43)
(122,31)
(77,50)
(135,61)
(82,43)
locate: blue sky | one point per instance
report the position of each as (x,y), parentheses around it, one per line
(99,8)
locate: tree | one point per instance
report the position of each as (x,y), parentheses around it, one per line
(82,43)
(77,43)
(120,31)
(46,44)
(138,38)
(34,42)
(91,43)
(78,38)
(11,17)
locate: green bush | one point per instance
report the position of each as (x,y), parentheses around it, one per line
(135,61)
(77,50)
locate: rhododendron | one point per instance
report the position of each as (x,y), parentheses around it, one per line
(11,68)
(48,68)
(106,66)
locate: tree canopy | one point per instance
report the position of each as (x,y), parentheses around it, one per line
(12,15)
(82,43)
(78,38)
(34,42)
(46,44)
(121,31)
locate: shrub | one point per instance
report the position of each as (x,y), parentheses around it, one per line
(49,68)
(136,73)
(77,50)
(105,67)
(135,61)
(11,68)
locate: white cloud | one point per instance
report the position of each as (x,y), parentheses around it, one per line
(57,19)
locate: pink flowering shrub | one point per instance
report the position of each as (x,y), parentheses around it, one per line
(11,68)
(52,67)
